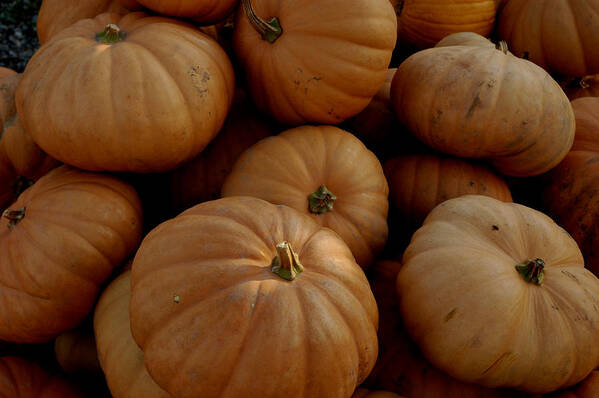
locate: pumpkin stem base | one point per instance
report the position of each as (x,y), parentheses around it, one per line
(286,263)
(321,200)
(110,35)
(533,271)
(14,216)
(269,31)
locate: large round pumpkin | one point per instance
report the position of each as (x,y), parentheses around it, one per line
(149,93)
(121,359)
(55,15)
(241,298)
(480,102)
(497,294)
(61,239)
(572,196)
(324,172)
(561,36)
(206,11)
(23,379)
(314,61)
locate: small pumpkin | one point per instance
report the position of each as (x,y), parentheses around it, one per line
(150,93)
(496,294)
(323,172)
(76,352)
(205,11)
(363,393)
(240,298)
(479,102)
(62,238)
(314,61)
(22,379)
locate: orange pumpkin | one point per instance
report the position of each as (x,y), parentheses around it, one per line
(241,298)
(6,72)
(55,15)
(120,358)
(76,352)
(497,294)
(149,93)
(22,379)
(587,86)
(314,61)
(418,183)
(62,238)
(206,11)
(479,102)
(324,172)
(562,36)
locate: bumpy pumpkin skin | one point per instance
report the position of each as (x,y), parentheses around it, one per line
(561,36)
(571,197)
(75,228)
(476,317)
(424,23)
(215,321)
(121,359)
(206,11)
(22,379)
(481,103)
(147,103)
(329,62)
(418,183)
(55,15)
(287,168)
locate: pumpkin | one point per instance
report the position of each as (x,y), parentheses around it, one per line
(62,238)
(424,23)
(6,72)
(571,196)
(121,359)
(206,11)
(588,388)
(323,172)
(314,61)
(465,39)
(150,93)
(418,183)
(22,379)
(587,86)
(363,393)
(241,298)
(76,352)
(497,294)
(202,178)
(480,102)
(55,15)
(21,160)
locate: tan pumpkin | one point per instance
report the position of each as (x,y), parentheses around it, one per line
(465,39)
(323,172)
(418,183)
(206,11)
(62,238)
(233,292)
(587,86)
(121,359)
(76,352)
(315,61)
(363,393)
(149,92)
(480,102)
(55,15)
(497,294)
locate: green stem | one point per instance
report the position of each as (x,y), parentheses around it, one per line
(321,200)
(533,271)
(269,31)
(111,34)
(286,264)
(14,216)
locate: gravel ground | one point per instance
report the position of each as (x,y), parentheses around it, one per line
(18,36)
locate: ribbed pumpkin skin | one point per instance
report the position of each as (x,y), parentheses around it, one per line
(326,66)
(589,388)
(21,159)
(562,36)
(579,91)
(214,321)
(481,103)
(287,168)
(572,198)
(424,23)
(473,314)
(147,103)
(77,227)
(363,393)
(55,15)
(418,183)
(22,379)
(121,359)
(206,11)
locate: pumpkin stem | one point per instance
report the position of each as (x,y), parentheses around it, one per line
(269,31)
(533,271)
(110,34)
(14,216)
(502,46)
(286,264)
(321,200)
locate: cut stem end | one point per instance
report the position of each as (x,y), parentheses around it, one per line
(321,200)
(14,216)
(533,271)
(111,34)
(286,263)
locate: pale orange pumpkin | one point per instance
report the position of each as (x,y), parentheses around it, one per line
(205,11)
(465,39)
(6,72)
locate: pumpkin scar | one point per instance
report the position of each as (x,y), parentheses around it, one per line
(450,315)
(497,361)
(476,102)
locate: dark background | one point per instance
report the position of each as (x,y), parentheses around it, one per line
(18,36)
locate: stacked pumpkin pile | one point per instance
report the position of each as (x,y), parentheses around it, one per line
(265,143)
